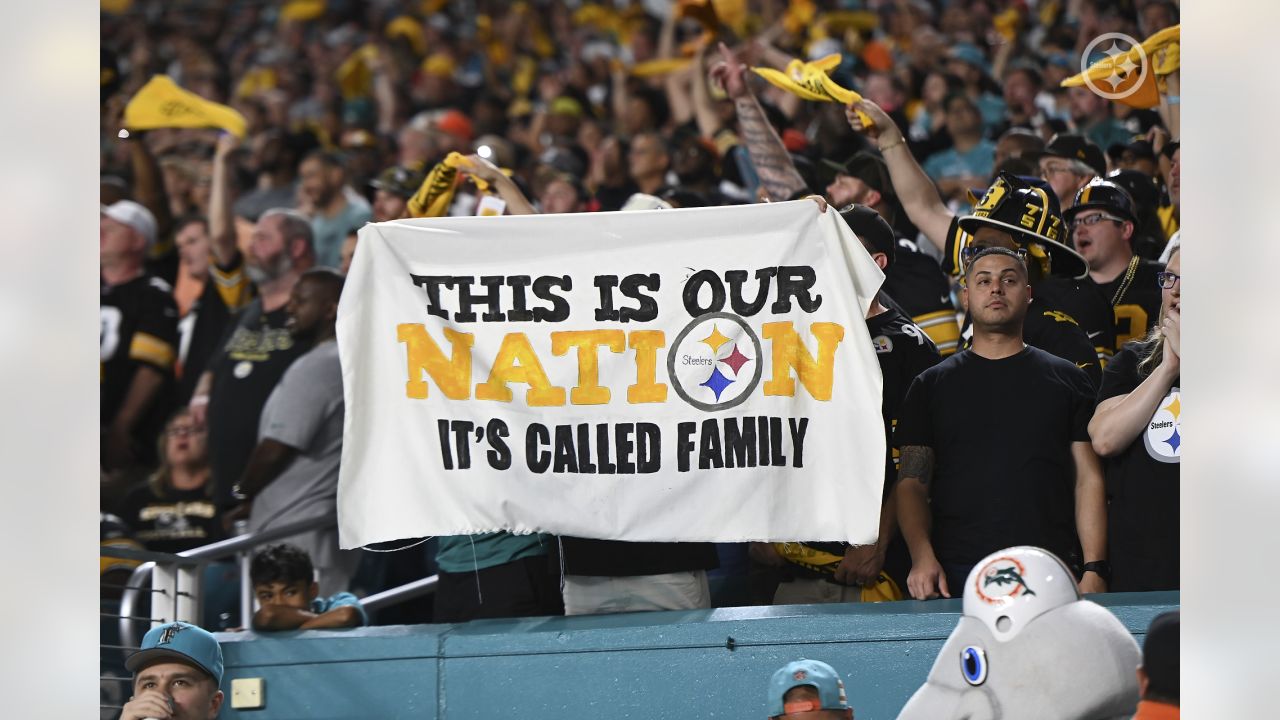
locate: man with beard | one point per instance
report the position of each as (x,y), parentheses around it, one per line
(1025,474)
(334,208)
(256,351)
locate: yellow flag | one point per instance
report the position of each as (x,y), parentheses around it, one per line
(663,66)
(811,82)
(162,104)
(353,75)
(436,193)
(1137,75)
(302,10)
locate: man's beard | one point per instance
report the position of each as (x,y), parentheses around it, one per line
(261,273)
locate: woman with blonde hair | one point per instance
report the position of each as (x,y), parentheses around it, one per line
(174,510)
(1137,429)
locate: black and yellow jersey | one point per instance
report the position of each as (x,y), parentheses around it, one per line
(139,326)
(1136,298)
(1086,303)
(920,288)
(1057,332)
(226,291)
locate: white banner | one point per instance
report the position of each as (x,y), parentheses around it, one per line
(691,375)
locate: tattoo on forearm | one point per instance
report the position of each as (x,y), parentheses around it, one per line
(917,462)
(777,173)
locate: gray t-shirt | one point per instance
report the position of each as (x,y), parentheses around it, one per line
(305,412)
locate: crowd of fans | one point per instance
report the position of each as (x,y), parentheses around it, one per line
(1002,207)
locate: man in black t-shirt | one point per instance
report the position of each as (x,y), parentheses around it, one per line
(256,350)
(138,340)
(1102,224)
(1137,428)
(994,446)
(833,571)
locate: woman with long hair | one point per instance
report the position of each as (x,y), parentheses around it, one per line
(174,509)
(1137,429)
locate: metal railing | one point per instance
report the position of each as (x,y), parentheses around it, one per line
(175,584)
(178,578)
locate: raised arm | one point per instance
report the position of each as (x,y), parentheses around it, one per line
(222,226)
(517,203)
(768,155)
(704,112)
(913,187)
(148,184)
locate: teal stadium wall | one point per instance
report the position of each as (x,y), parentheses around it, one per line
(635,665)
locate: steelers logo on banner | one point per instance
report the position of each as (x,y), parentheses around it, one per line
(714,363)
(1163,436)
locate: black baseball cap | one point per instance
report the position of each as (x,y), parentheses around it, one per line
(399,180)
(1074,146)
(872,229)
(867,167)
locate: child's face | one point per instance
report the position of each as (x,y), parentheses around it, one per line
(297,594)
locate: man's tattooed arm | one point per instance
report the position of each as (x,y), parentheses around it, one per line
(769,156)
(916,462)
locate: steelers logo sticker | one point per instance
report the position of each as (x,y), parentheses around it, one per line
(714,363)
(882,344)
(1002,580)
(242,369)
(1163,436)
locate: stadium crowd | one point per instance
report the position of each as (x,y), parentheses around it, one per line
(1028,326)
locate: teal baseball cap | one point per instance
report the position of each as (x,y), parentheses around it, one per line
(179,642)
(820,675)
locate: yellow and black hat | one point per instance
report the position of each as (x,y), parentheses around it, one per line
(1030,214)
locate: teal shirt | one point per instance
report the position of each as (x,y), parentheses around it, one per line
(455,554)
(329,234)
(323,605)
(979,161)
(1107,133)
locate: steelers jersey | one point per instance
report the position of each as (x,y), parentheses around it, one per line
(920,288)
(1056,332)
(1138,306)
(139,326)
(1088,305)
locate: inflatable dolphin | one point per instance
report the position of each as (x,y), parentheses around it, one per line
(1028,646)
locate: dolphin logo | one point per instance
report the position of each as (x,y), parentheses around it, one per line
(1005,576)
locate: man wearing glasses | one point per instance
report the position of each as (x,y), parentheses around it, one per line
(1070,161)
(1102,224)
(995,447)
